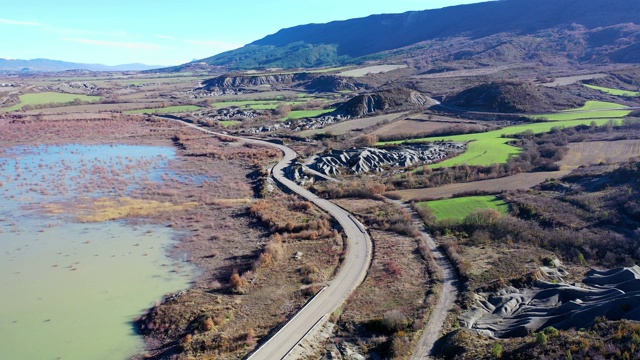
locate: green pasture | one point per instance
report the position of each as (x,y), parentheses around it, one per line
(591,110)
(254,104)
(228,123)
(48,98)
(491,147)
(166,110)
(459,208)
(300,114)
(616,92)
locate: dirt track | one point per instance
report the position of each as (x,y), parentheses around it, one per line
(447,295)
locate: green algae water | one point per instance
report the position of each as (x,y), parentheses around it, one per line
(71,290)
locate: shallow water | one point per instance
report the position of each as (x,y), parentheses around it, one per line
(71,290)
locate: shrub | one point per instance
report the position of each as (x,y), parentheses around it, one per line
(394,321)
(497,350)
(541,338)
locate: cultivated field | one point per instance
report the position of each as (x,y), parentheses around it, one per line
(611,91)
(594,152)
(514,182)
(491,147)
(591,110)
(346,126)
(409,126)
(465,72)
(166,110)
(44,98)
(568,80)
(371,70)
(300,114)
(459,208)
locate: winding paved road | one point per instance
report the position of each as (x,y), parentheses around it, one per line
(352,272)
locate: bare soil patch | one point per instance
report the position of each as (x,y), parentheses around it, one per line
(411,126)
(595,152)
(514,182)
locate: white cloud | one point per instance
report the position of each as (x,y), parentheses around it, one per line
(118,44)
(18,22)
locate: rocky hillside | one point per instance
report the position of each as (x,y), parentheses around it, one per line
(308,81)
(231,81)
(512,97)
(578,30)
(365,160)
(367,104)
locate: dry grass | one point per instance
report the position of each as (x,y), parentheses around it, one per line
(515,182)
(595,152)
(396,287)
(105,209)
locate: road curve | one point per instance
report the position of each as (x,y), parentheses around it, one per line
(352,272)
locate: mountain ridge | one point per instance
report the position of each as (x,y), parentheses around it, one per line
(352,41)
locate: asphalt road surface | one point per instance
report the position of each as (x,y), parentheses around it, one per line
(352,272)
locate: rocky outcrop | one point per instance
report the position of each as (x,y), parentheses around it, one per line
(367,104)
(308,81)
(333,83)
(363,160)
(226,81)
(511,312)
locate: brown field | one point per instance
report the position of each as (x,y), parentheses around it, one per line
(466,72)
(411,126)
(440,118)
(350,125)
(94,108)
(594,152)
(515,182)
(568,80)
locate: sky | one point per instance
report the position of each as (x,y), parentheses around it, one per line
(166,32)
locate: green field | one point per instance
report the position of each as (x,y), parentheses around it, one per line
(254,104)
(166,110)
(591,110)
(48,98)
(459,208)
(300,114)
(227,123)
(611,91)
(490,147)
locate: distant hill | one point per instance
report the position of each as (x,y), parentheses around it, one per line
(46,65)
(513,30)
(513,97)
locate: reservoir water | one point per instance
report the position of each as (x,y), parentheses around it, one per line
(71,290)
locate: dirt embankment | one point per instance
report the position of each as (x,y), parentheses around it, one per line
(397,98)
